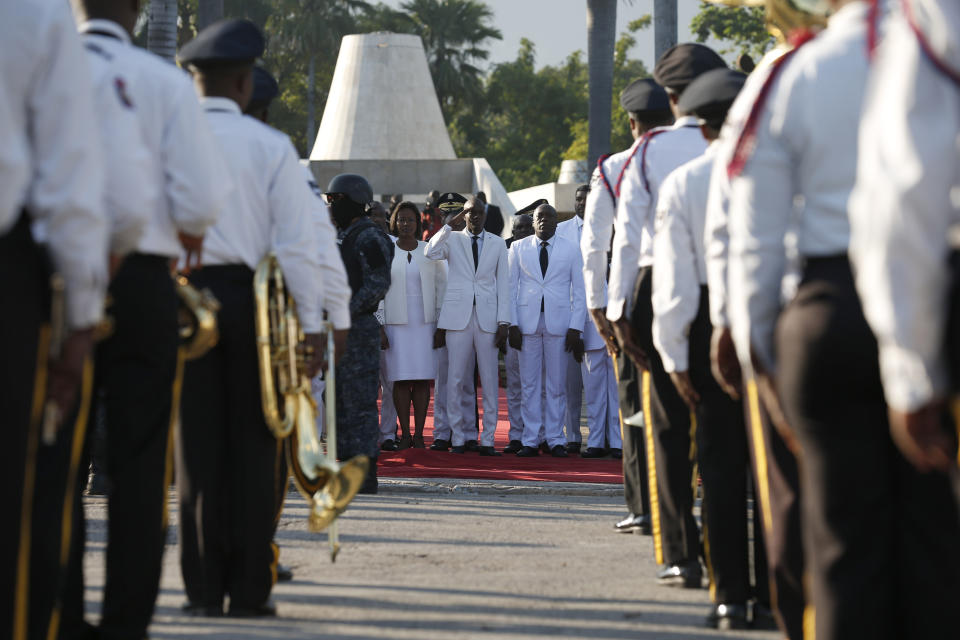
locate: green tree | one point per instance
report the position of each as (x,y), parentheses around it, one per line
(743,27)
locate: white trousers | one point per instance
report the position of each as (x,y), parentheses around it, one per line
(462,347)
(511,362)
(542,357)
(442,410)
(574,399)
(603,403)
(317,387)
(388,411)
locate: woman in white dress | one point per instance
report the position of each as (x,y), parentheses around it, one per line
(410,314)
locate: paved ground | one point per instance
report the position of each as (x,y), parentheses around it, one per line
(444,560)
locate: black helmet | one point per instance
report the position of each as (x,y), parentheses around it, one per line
(353,186)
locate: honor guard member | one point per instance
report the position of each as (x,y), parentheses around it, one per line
(51,171)
(904,217)
(367,255)
(676,537)
(226,454)
(647,107)
(681,333)
(815,359)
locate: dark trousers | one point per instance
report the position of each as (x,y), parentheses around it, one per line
(635,476)
(669,454)
(723,460)
(357,379)
(777,498)
(227,458)
(880,539)
(24,299)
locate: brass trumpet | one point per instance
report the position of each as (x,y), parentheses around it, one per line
(197,317)
(290,410)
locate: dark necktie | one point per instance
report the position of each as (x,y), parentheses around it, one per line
(476,255)
(544,260)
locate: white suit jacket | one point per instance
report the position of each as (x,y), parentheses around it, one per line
(561,288)
(487,287)
(432,277)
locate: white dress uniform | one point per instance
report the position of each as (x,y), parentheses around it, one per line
(514,390)
(600,390)
(545,306)
(388,411)
(572,230)
(476,301)
(51,170)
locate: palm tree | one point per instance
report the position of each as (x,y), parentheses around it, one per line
(601,33)
(664,26)
(453,33)
(162,29)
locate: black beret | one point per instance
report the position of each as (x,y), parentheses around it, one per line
(682,63)
(224,42)
(644,95)
(451,203)
(265,89)
(709,96)
(530,208)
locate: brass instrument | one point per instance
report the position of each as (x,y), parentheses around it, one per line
(783,16)
(198,318)
(290,410)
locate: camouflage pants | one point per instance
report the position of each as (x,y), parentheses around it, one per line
(358,379)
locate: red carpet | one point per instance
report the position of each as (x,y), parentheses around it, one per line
(423,463)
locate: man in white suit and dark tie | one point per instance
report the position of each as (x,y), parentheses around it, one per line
(548,314)
(475,314)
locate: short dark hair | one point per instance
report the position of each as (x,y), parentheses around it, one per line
(416,216)
(651,119)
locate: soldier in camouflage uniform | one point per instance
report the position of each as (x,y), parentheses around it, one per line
(367,254)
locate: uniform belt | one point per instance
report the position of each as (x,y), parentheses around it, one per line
(148,260)
(231,272)
(815,266)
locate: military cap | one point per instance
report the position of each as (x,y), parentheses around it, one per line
(643,95)
(682,63)
(530,208)
(265,89)
(225,42)
(709,96)
(451,203)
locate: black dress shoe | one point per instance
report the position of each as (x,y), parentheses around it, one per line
(489,451)
(559,451)
(458,449)
(685,575)
(513,447)
(616,453)
(763,617)
(594,452)
(389,445)
(528,452)
(471,445)
(265,610)
(633,523)
(544,447)
(573,447)
(284,573)
(728,616)
(202,610)
(440,445)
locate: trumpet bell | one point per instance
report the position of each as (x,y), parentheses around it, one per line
(337,493)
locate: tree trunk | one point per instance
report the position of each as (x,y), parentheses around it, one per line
(162,29)
(208,12)
(664,26)
(311,97)
(601,32)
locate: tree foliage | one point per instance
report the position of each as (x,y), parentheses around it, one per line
(743,27)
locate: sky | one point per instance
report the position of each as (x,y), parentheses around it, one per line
(559,27)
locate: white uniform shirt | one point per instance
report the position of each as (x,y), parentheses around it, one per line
(50,157)
(191,172)
(906,201)
(679,267)
(666,149)
(336,287)
(132,188)
(271,210)
(805,152)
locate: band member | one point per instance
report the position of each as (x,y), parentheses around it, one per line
(676,537)
(548,314)
(647,107)
(474,315)
(51,171)
(226,454)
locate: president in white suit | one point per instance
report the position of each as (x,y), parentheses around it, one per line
(475,314)
(547,318)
